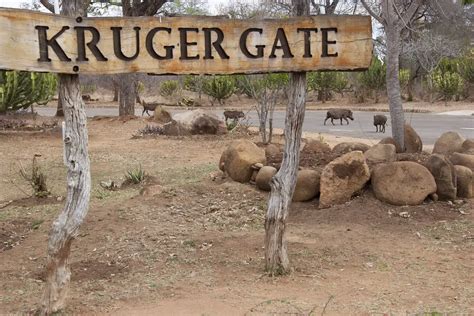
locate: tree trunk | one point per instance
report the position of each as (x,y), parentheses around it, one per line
(66,226)
(283,183)
(59,109)
(127,95)
(76,159)
(393,85)
(116,92)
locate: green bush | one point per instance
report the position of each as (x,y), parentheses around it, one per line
(374,78)
(326,82)
(88,89)
(169,88)
(220,88)
(21,89)
(448,84)
(135,176)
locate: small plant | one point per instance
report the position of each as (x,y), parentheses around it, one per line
(168,88)
(37,179)
(231,124)
(220,88)
(135,176)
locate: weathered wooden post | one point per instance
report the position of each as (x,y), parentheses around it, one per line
(76,159)
(283,183)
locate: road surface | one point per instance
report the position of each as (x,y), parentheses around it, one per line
(428,125)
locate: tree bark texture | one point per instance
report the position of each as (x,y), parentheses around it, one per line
(76,159)
(392,31)
(284,182)
(127,95)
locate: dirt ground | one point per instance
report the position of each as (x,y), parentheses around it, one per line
(196,247)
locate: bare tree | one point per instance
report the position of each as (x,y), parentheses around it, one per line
(76,158)
(283,183)
(395,16)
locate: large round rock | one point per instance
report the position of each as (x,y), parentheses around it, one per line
(264,176)
(307,185)
(380,153)
(402,183)
(448,143)
(390,140)
(316,147)
(444,174)
(413,143)
(463,160)
(343,148)
(343,177)
(468,146)
(465,182)
(237,160)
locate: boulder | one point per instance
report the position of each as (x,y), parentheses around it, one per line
(272,151)
(381,153)
(344,148)
(199,122)
(264,176)
(173,128)
(448,143)
(161,115)
(444,174)
(468,146)
(343,177)
(413,143)
(316,147)
(239,157)
(390,140)
(307,185)
(402,183)
(465,182)
(463,160)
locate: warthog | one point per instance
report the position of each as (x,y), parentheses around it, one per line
(338,114)
(379,123)
(235,115)
(148,107)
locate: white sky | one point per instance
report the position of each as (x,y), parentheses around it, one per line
(16,3)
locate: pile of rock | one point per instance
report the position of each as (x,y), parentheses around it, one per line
(446,174)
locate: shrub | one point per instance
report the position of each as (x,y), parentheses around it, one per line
(88,89)
(448,84)
(136,175)
(37,179)
(374,78)
(169,88)
(220,88)
(21,89)
(326,82)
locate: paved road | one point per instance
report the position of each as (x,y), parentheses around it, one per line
(429,126)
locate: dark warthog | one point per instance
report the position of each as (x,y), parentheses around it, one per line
(379,123)
(339,114)
(235,115)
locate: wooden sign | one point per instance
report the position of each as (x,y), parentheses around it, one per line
(36,41)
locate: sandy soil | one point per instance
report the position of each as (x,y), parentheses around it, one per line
(195,248)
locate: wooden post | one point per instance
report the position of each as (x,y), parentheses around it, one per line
(283,183)
(76,159)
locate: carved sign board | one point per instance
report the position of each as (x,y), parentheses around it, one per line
(36,41)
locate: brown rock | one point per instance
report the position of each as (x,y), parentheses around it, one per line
(465,182)
(390,140)
(344,148)
(445,176)
(264,176)
(161,115)
(307,185)
(343,177)
(174,128)
(380,153)
(238,159)
(448,143)
(468,146)
(413,143)
(315,147)
(402,183)
(463,160)
(272,151)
